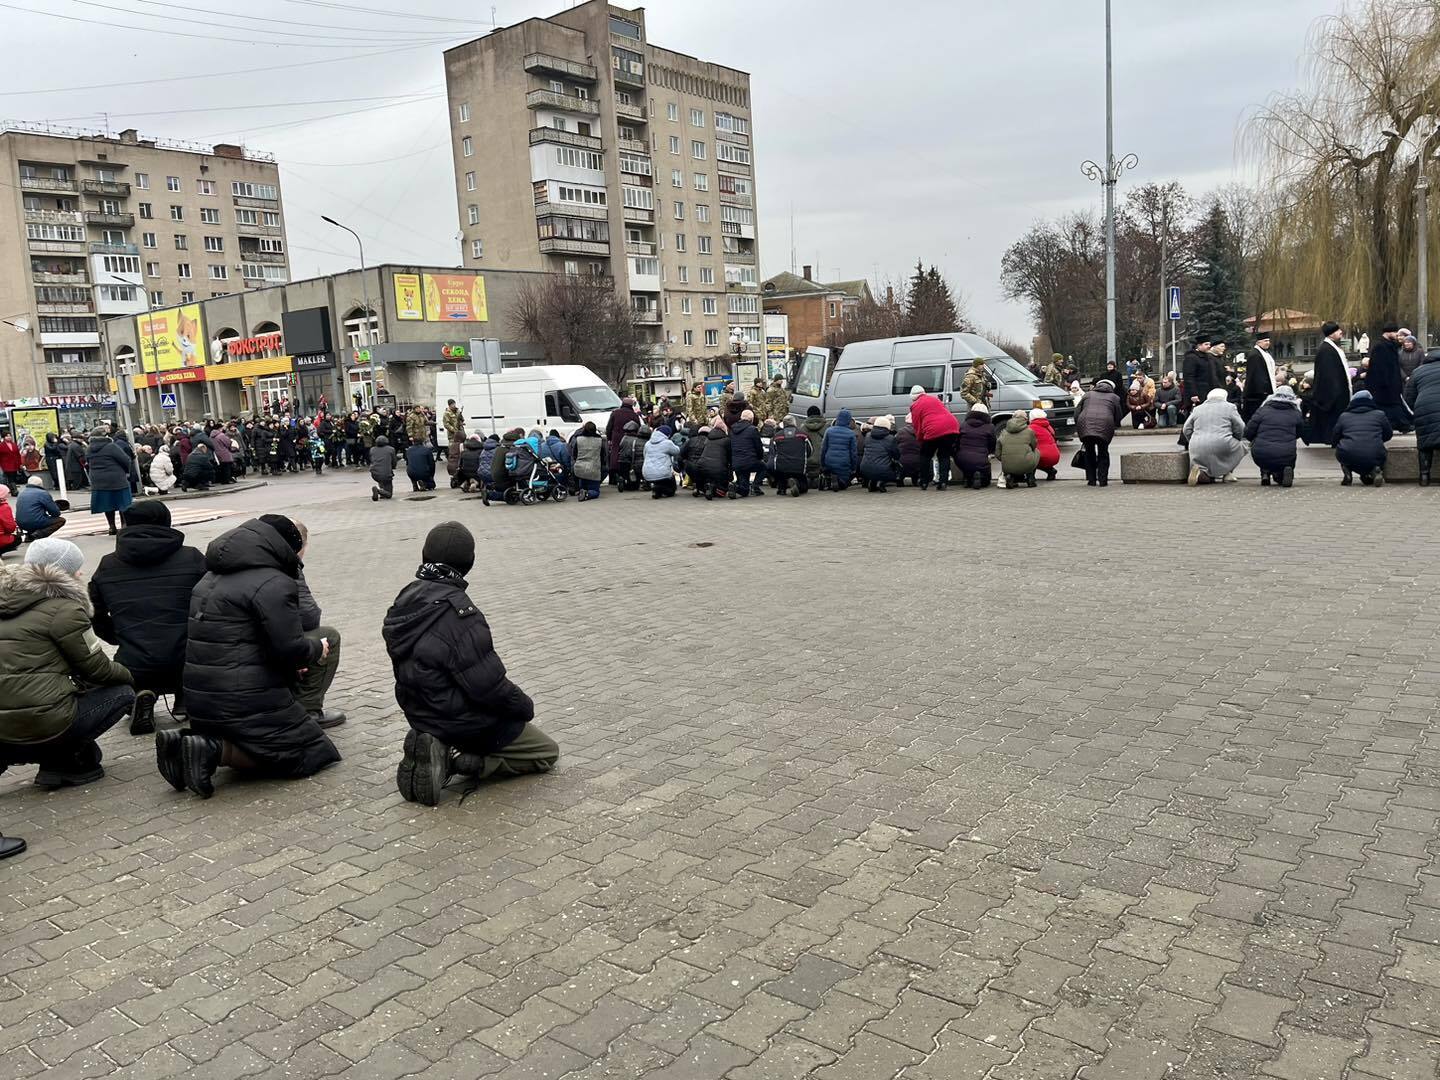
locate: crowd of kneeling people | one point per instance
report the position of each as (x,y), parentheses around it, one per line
(234,638)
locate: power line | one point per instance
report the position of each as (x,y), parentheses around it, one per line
(356,164)
(268,20)
(248,71)
(234,108)
(246,129)
(176,33)
(351,8)
(308,35)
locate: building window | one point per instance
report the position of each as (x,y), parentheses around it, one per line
(674,144)
(177,213)
(477,249)
(707,275)
(469,181)
(148,239)
(142,181)
(679,241)
(172,183)
(725,151)
(254,191)
(270,219)
(683,273)
(182,270)
(210,215)
(464,112)
(708,306)
(246,217)
(638,198)
(467,146)
(702,212)
(685,305)
(214,243)
(677,178)
(637,166)
(579,159)
(474,213)
(712,338)
(702,181)
(205,187)
(157,298)
(697,149)
(697,117)
(147,211)
(704,243)
(679,211)
(181,243)
(672,111)
(688,337)
(832,309)
(186,296)
(219,272)
(152,269)
(572,268)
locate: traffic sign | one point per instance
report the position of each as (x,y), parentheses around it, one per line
(167,401)
(485,356)
(1174,303)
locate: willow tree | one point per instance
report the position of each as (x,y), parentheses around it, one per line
(1344,155)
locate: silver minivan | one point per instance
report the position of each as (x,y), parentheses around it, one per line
(874,378)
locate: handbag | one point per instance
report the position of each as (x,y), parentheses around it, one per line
(1078,461)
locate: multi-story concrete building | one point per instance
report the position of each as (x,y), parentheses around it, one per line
(582,148)
(93,226)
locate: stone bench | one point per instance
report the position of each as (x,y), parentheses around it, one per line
(1402,463)
(1167,467)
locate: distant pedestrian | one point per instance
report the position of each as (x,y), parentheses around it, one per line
(382,469)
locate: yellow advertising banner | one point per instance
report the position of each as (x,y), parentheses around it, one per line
(408,298)
(455,298)
(37,423)
(171,339)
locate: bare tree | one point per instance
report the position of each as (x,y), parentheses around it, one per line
(1008,345)
(1346,151)
(880,314)
(581,320)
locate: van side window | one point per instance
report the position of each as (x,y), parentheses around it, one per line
(808,379)
(552,404)
(927,350)
(931,377)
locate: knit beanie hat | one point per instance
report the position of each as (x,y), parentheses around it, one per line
(450,543)
(52,551)
(980,407)
(666,430)
(1037,414)
(813,410)
(147,512)
(287,530)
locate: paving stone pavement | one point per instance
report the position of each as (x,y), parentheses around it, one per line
(930,786)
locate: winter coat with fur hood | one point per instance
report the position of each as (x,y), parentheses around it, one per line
(48,653)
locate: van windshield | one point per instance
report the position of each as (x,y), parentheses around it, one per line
(592,398)
(1006,370)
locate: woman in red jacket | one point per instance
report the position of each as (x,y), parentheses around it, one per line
(1045,441)
(9,532)
(937,429)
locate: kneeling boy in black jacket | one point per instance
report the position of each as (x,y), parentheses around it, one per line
(466,717)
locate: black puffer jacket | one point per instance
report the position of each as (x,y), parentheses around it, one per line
(1422,394)
(199,470)
(1272,432)
(790,452)
(109,464)
(470,459)
(1360,434)
(714,460)
(141,595)
(747,452)
(448,679)
(882,455)
(244,650)
(976,444)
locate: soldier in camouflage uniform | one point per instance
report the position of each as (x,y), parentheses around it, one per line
(1055,371)
(777,402)
(697,407)
(417,425)
(726,397)
(367,434)
(976,384)
(454,422)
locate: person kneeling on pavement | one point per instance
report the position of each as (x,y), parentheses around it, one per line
(1360,434)
(659,468)
(466,717)
(382,469)
(314,682)
(245,651)
(1019,451)
(37,513)
(59,692)
(141,599)
(880,462)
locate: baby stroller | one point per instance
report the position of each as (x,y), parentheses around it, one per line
(536,478)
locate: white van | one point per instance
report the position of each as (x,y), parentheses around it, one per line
(559,396)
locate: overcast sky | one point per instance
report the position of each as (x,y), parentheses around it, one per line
(932,129)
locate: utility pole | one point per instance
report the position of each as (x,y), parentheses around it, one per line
(1422,186)
(1109,177)
(1163,316)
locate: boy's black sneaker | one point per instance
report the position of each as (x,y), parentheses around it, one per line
(424,768)
(199,758)
(142,713)
(168,758)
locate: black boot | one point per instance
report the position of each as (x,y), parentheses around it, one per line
(10,845)
(1287,476)
(199,758)
(1347,479)
(142,714)
(82,767)
(1264,479)
(424,770)
(1426,457)
(168,756)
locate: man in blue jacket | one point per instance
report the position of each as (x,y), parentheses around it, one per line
(37,515)
(840,451)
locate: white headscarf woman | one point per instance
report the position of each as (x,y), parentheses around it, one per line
(1216,437)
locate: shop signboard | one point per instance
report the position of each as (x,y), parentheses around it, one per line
(455,298)
(408,297)
(36,422)
(170,338)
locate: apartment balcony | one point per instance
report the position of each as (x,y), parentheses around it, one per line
(734,168)
(250,200)
(105,187)
(564,138)
(47,183)
(734,228)
(634,146)
(636,179)
(636,247)
(55,217)
(272,257)
(42,278)
(56,247)
(79,367)
(72,308)
(257,230)
(643,217)
(571,210)
(730,199)
(740,258)
(625,77)
(548,99)
(744,318)
(549,64)
(630,112)
(564,245)
(100,217)
(647,316)
(114,249)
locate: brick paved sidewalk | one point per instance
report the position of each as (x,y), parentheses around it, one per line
(931,786)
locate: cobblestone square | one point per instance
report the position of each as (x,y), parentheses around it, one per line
(1132,783)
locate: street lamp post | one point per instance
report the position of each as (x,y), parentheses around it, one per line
(1109,177)
(341,391)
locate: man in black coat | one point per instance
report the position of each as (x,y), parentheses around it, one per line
(1331,382)
(141,599)
(244,653)
(466,716)
(1259,376)
(1385,378)
(747,457)
(1201,371)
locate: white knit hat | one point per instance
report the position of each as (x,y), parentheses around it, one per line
(52,551)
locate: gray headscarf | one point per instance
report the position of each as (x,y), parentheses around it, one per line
(1285,396)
